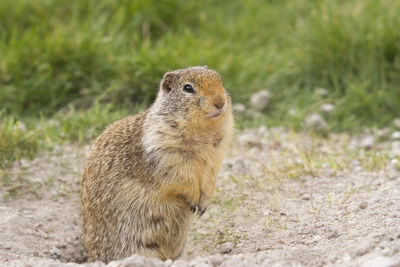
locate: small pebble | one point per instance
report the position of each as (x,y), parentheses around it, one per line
(260,100)
(358,169)
(21,126)
(363,204)
(263,248)
(382,133)
(180,263)
(396,148)
(54,251)
(363,249)
(293,112)
(368,142)
(334,235)
(378,261)
(321,92)
(216,259)
(226,247)
(327,108)
(316,123)
(252,113)
(396,123)
(239,108)
(396,135)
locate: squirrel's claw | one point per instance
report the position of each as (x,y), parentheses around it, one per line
(192,208)
(197,208)
(201,210)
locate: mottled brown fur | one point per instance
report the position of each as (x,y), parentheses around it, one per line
(146,173)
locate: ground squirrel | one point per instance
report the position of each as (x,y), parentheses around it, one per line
(146,173)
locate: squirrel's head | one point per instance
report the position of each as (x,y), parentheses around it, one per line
(195,94)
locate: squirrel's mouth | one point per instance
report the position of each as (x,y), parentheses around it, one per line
(215,114)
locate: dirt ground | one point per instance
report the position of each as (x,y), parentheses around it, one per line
(282,199)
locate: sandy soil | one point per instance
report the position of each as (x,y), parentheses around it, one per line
(282,199)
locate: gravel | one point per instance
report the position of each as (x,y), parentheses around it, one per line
(281,199)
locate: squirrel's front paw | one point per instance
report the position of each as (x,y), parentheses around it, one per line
(201,206)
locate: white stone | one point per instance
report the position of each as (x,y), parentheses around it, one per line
(363,204)
(216,259)
(226,247)
(244,166)
(321,92)
(262,131)
(249,139)
(368,142)
(21,126)
(358,169)
(382,133)
(137,260)
(396,135)
(251,113)
(54,251)
(260,100)
(396,148)
(378,261)
(327,108)
(292,112)
(239,108)
(396,122)
(180,263)
(316,123)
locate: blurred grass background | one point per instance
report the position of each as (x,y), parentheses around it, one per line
(68,68)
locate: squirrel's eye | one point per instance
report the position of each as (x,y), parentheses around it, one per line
(188,88)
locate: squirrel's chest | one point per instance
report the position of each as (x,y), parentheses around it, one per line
(183,156)
(184,164)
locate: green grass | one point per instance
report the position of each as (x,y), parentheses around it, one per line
(57,54)
(23,139)
(15,140)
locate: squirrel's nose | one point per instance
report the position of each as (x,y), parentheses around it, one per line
(219,103)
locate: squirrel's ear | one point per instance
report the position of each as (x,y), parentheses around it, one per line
(166,83)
